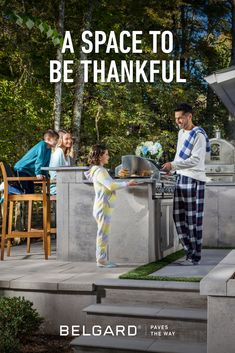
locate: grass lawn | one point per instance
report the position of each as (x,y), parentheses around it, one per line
(144,272)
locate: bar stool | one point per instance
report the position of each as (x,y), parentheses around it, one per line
(8,207)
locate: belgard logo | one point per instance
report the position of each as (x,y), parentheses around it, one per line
(96,330)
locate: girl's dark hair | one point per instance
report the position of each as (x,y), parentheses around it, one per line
(96,152)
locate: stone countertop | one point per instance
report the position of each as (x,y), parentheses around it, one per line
(220,183)
(67,168)
(85,181)
(138,180)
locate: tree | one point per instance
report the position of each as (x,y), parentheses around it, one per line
(79,86)
(59,57)
(233,33)
(121,114)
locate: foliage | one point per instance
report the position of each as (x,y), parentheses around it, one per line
(43,26)
(9,343)
(23,117)
(120,114)
(18,320)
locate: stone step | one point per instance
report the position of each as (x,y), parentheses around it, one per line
(183,324)
(127,345)
(172,293)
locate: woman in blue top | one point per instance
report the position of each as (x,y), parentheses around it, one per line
(62,155)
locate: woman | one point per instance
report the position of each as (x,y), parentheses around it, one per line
(62,155)
(105,196)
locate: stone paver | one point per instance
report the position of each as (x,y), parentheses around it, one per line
(108,342)
(181,268)
(33,272)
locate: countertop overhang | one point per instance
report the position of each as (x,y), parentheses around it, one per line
(65,168)
(223,84)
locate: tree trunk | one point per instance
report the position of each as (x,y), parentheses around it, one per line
(79,86)
(210,94)
(233,33)
(183,36)
(97,118)
(58,85)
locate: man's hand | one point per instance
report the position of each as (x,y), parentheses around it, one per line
(166,167)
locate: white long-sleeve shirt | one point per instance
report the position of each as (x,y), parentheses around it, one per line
(194,166)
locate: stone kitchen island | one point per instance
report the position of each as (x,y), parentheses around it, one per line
(135,228)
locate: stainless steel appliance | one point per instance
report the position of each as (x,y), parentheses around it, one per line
(136,166)
(220,194)
(220,163)
(139,167)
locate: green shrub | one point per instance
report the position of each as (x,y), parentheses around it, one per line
(18,320)
(8,343)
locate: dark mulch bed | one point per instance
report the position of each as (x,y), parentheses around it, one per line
(47,344)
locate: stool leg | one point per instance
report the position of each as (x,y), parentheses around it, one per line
(4,226)
(11,204)
(49,226)
(30,211)
(8,247)
(45,212)
(49,244)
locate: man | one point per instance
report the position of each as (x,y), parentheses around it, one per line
(189,163)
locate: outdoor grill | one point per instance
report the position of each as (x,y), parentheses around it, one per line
(135,167)
(220,194)
(160,199)
(220,167)
(220,163)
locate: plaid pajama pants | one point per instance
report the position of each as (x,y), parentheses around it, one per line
(188,213)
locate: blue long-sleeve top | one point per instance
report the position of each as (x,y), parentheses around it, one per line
(36,158)
(58,159)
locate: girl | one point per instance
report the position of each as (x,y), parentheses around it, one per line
(62,155)
(105,196)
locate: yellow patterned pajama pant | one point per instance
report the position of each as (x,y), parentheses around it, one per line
(102,216)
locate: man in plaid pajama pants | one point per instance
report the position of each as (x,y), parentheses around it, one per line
(189,163)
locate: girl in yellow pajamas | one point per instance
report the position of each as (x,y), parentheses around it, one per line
(105,196)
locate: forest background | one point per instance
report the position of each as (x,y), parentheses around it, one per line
(120,114)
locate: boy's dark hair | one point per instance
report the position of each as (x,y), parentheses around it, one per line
(184,107)
(96,152)
(51,133)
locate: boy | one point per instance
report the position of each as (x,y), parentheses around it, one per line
(36,158)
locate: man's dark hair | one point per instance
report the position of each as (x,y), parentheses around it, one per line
(184,107)
(51,133)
